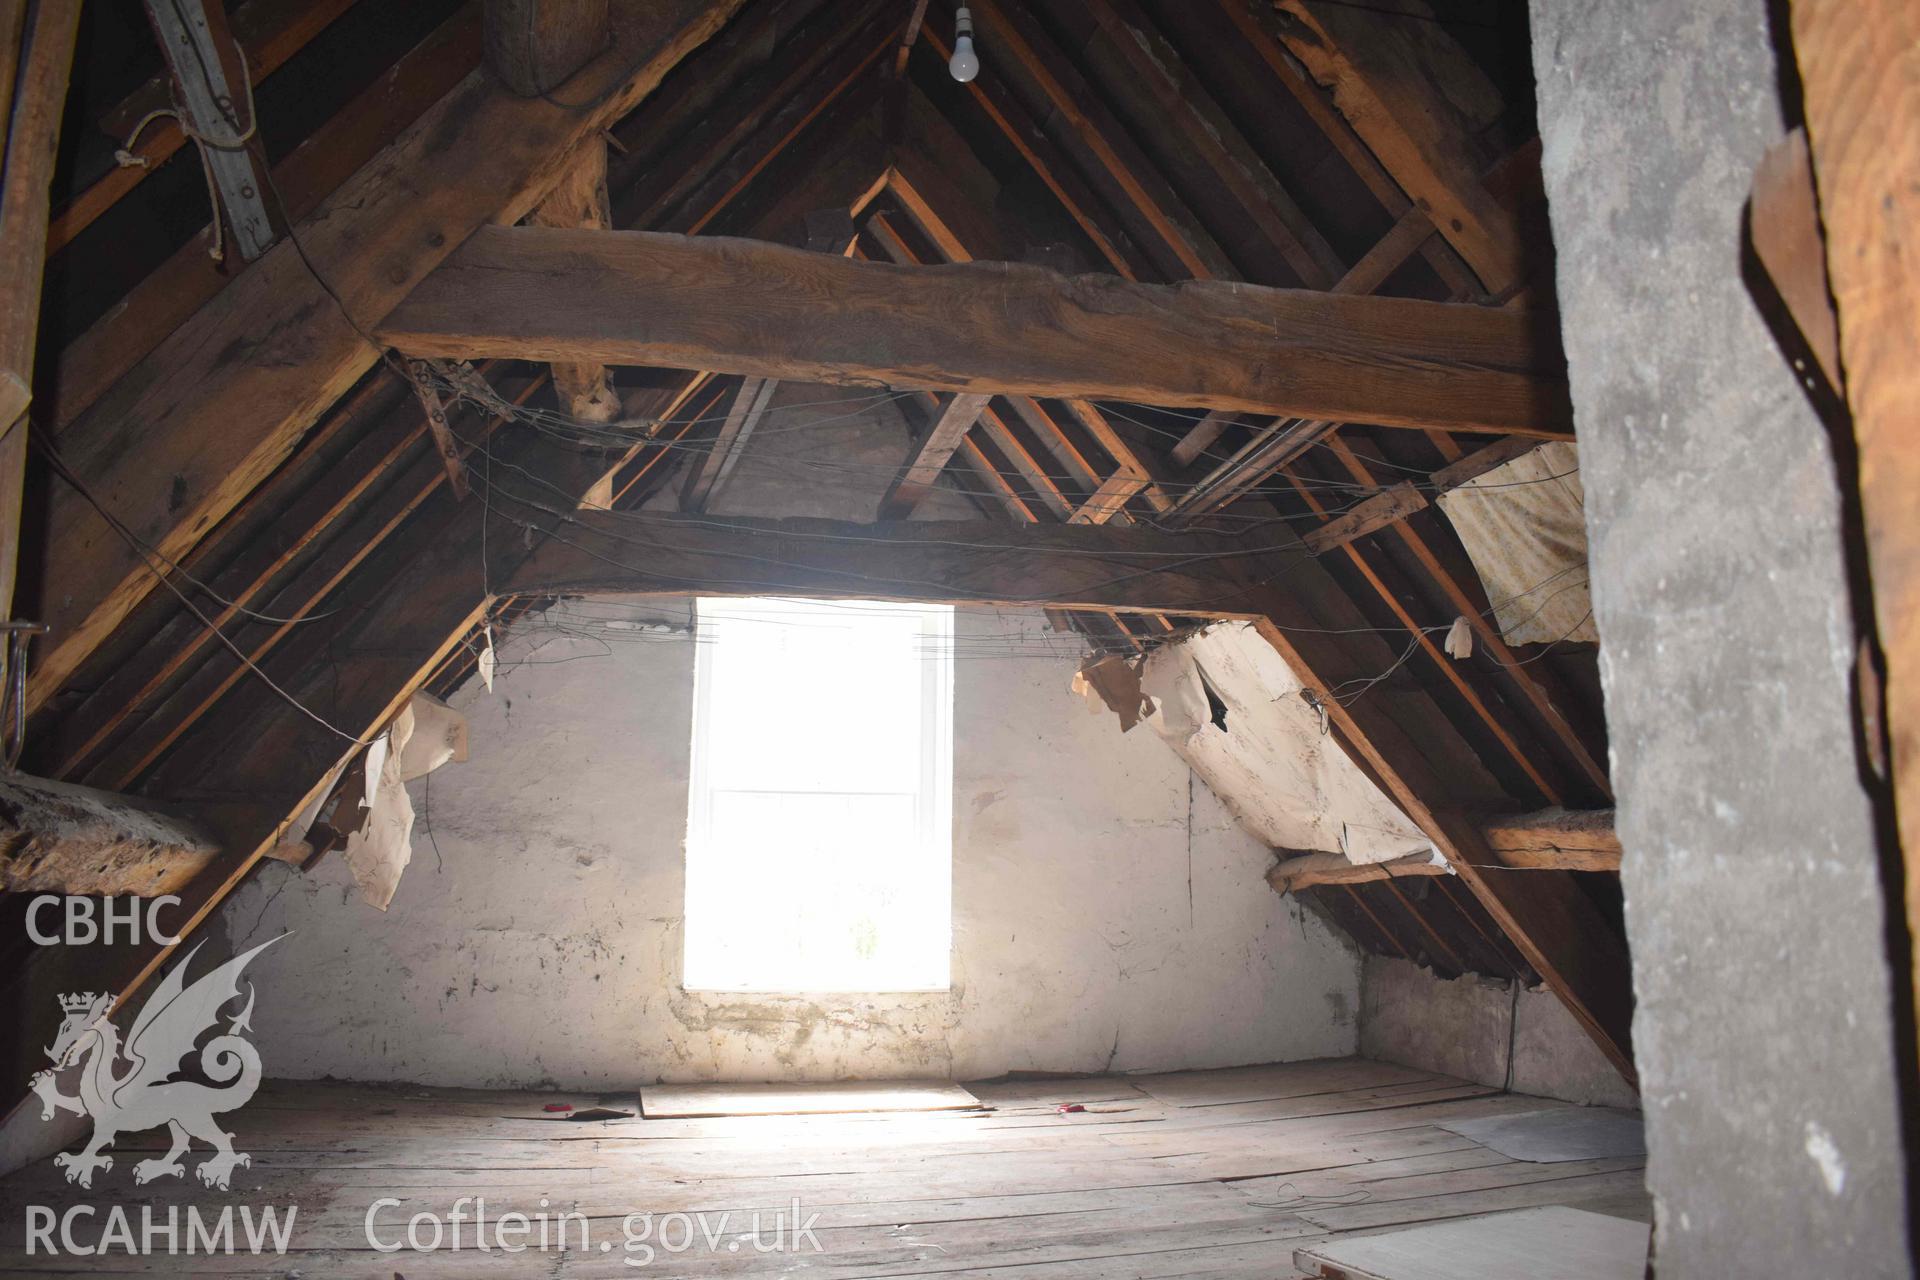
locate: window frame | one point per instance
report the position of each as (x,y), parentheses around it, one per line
(932,826)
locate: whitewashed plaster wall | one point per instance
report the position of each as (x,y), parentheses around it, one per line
(1109,913)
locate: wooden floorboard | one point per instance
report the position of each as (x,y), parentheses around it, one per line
(1217,1174)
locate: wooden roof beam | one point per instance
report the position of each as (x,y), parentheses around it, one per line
(347,535)
(936,202)
(188,279)
(1200,437)
(1202,129)
(1569,839)
(711,469)
(1550,840)
(221,403)
(1398,601)
(1110,499)
(930,455)
(740,306)
(36,63)
(1381,72)
(1311,870)
(1429,771)
(80,733)
(59,838)
(1099,567)
(946,192)
(1392,505)
(1042,487)
(1256,27)
(1014,35)
(268,32)
(1277,444)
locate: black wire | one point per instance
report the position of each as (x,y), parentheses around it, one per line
(149,553)
(426,820)
(564,427)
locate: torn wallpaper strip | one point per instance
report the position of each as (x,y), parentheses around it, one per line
(1524,525)
(1287,782)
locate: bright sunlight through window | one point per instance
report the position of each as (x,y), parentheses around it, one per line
(819,829)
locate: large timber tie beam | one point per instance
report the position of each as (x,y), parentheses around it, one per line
(766,310)
(961,561)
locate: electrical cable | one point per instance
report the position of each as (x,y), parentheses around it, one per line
(680,521)
(212,628)
(579,431)
(148,552)
(1346,699)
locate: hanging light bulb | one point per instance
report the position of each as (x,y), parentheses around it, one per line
(963,65)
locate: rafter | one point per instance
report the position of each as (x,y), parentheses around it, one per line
(224,400)
(1087,121)
(711,469)
(1533,686)
(187,280)
(1550,840)
(938,221)
(930,454)
(1381,74)
(1391,505)
(36,60)
(1202,130)
(269,32)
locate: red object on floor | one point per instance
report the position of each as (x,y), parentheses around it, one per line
(559,1106)
(1066,1107)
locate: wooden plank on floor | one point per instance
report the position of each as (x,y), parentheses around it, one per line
(687,1101)
(1131,1186)
(1265,1083)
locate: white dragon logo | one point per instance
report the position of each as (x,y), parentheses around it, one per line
(145,1095)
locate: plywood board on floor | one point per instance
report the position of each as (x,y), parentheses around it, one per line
(696,1101)
(1554,1243)
(1563,1133)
